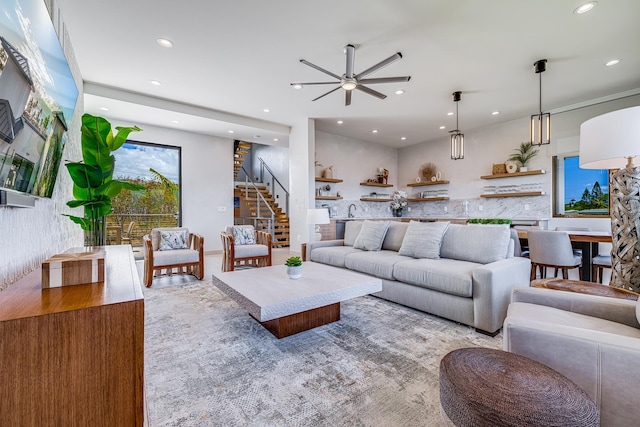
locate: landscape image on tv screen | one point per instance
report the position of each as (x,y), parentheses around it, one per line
(37,98)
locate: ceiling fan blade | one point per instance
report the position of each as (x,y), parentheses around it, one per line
(305,62)
(371,92)
(331,91)
(351,56)
(313,83)
(385,80)
(389,60)
(347,97)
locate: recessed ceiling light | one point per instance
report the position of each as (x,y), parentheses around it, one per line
(175,121)
(230,131)
(266,110)
(403,138)
(495,113)
(441,127)
(585,7)
(297,86)
(340,122)
(104,108)
(450,113)
(276,139)
(399,91)
(165,42)
(612,62)
(374,131)
(258,136)
(155,82)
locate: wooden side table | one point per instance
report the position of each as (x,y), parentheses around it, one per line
(582,287)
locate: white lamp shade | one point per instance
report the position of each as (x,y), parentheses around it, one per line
(318,216)
(607,141)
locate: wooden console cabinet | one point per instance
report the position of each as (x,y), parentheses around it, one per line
(73,356)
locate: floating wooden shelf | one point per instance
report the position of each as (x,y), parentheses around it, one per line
(375,184)
(420,184)
(510,175)
(318,179)
(427,199)
(328,198)
(373,199)
(500,195)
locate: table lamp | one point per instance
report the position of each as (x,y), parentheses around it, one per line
(611,141)
(316,217)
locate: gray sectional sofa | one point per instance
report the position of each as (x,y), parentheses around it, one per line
(464,273)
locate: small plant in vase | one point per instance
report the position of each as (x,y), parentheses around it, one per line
(398,203)
(523,154)
(294,267)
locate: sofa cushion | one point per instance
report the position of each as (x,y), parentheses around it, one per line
(332,255)
(248,251)
(371,235)
(379,263)
(476,243)
(395,235)
(444,275)
(351,231)
(423,239)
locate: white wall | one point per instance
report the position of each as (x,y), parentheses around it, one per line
(277,158)
(301,146)
(207,178)
(28,236)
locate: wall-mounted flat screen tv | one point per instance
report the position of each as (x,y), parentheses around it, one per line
(37,98)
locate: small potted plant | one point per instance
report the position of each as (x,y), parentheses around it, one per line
(523,154)
(294,267)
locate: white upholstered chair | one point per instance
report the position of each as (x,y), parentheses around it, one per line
(174,250)
(599,263)
(242,245)
(552,249)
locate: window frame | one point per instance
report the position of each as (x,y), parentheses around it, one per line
(558,179)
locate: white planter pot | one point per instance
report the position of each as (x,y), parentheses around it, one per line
(294,272)
(523,168)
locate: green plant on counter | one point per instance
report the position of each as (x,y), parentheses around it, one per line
(293,261)
(93,183)
(489,221)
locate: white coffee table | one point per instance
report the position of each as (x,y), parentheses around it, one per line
(285,306)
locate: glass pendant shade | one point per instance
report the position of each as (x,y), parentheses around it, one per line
(457,145)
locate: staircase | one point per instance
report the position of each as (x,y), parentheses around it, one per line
(252,206)
(250,202)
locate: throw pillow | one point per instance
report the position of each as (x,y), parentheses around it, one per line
(423,239)
(174,239)
(371,235)
(243,236)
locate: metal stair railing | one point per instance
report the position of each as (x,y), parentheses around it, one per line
(274,180)
(259,197)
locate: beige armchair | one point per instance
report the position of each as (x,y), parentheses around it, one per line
(174,250)
(242,245)
(592,340)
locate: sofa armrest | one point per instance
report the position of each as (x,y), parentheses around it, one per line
(613,309)
(492,285)
(322,244)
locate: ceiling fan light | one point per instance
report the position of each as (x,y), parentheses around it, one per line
(349,84)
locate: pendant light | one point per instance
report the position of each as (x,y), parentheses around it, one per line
(457,137)
(540,123)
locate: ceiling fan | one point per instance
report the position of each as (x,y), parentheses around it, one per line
(350,80)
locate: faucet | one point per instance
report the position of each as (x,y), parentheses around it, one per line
(354,208)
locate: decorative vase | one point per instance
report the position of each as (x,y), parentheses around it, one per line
(294,272)
(397,213)
(328,173)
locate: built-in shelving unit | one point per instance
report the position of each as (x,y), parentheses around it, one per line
(318,179)
(328,197)
(421,184)
(427,199)
(511,175)
(375,184)
(524,194)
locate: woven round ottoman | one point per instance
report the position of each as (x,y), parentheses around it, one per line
(485,387)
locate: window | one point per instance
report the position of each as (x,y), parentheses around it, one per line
(579,192)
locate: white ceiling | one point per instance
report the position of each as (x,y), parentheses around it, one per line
(232,59)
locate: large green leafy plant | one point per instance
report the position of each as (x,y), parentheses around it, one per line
(93,183)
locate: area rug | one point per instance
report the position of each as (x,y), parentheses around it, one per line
(208,363)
